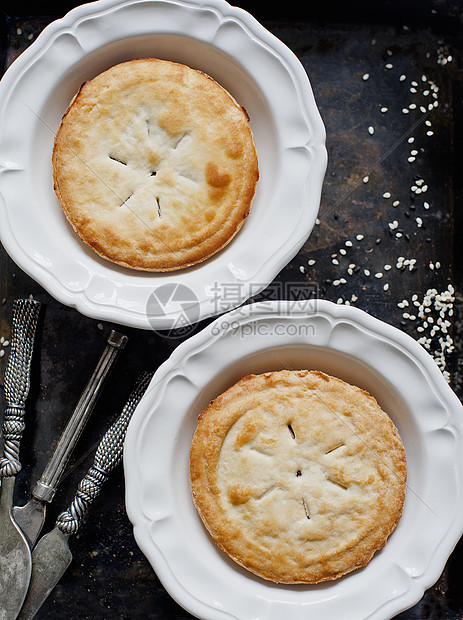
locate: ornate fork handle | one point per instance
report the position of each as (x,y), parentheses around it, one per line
(107,457)
(17,382)
(89,488)
(13,427)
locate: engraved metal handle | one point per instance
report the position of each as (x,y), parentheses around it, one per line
(45,488)
(107,457)
(17,382)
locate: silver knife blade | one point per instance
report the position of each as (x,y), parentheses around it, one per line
(52,556)
(30,518)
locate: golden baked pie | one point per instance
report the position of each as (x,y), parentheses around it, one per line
(155,165)
(297,475)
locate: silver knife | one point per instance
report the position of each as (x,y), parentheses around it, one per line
(31,517)
(51,556)
(15,555)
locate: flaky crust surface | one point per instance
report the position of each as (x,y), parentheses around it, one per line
(298,476)
(155,165)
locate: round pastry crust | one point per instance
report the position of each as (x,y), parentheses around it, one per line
(298,476)
(155,165)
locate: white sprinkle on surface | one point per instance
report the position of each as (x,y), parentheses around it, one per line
(432,312)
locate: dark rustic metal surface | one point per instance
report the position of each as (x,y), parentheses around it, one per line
(338,45)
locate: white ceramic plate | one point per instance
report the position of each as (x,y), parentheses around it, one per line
(342,341)
(258,70)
